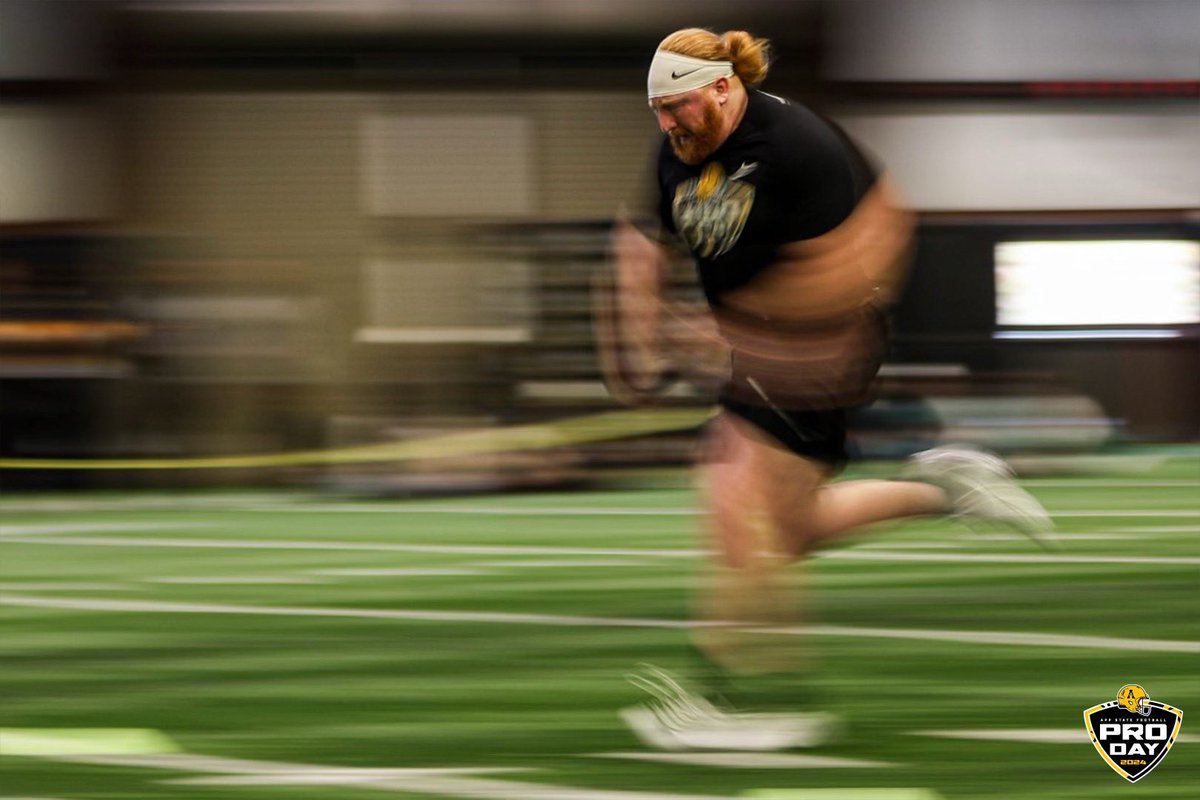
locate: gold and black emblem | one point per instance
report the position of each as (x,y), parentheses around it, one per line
(1133,733)
(711,210)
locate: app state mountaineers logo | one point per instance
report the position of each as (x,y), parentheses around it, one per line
(1133,733)
(711,210)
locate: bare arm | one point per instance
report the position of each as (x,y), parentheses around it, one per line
(626,314)
(645,339)
(639,265)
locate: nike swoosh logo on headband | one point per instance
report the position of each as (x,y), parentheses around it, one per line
(678,75)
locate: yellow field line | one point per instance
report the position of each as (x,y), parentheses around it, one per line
(604,426)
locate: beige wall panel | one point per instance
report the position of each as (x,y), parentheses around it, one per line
(58,163)
(256,174)
(460,164)
(596,150)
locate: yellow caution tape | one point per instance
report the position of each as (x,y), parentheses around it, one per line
(601,427)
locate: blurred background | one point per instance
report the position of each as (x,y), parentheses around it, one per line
(293,225)
(341,249)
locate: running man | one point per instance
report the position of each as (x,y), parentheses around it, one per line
(800,246)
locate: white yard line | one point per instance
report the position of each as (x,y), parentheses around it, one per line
(373,572)
(491,511)
(748,760)
(914,545)
(445,785)
(973,637)
(449,782)
(596,511)
(1000,638)
(1061,537)
(1004,558)
(1102,483)
(52,586)
(1124,513)
(392,547)
(233,580)
(497,550)
(586,563)
(858,793)
(94,527)
(1033,735)
(154,607)
(1162,528)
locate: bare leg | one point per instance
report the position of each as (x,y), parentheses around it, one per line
(767,508)
(842,508)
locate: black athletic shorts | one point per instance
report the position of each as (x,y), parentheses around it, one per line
(819,435)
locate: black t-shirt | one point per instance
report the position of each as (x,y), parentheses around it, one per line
(783,175)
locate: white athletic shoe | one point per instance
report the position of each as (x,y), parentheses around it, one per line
(983,486)
(678,719)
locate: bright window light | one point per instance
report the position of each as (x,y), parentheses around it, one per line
(1081,284)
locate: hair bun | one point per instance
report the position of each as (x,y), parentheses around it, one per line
(749,54)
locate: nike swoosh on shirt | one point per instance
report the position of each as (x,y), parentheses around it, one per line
(678,75)
(744,170)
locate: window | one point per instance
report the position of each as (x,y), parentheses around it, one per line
(1132,288)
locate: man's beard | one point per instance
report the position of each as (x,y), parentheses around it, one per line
(693,146)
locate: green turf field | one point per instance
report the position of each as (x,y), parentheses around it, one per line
(272,646)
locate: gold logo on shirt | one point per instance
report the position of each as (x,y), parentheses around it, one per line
(711,210)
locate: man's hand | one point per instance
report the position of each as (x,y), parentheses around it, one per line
(626,310)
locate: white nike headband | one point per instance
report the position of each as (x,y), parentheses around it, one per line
(672,73)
